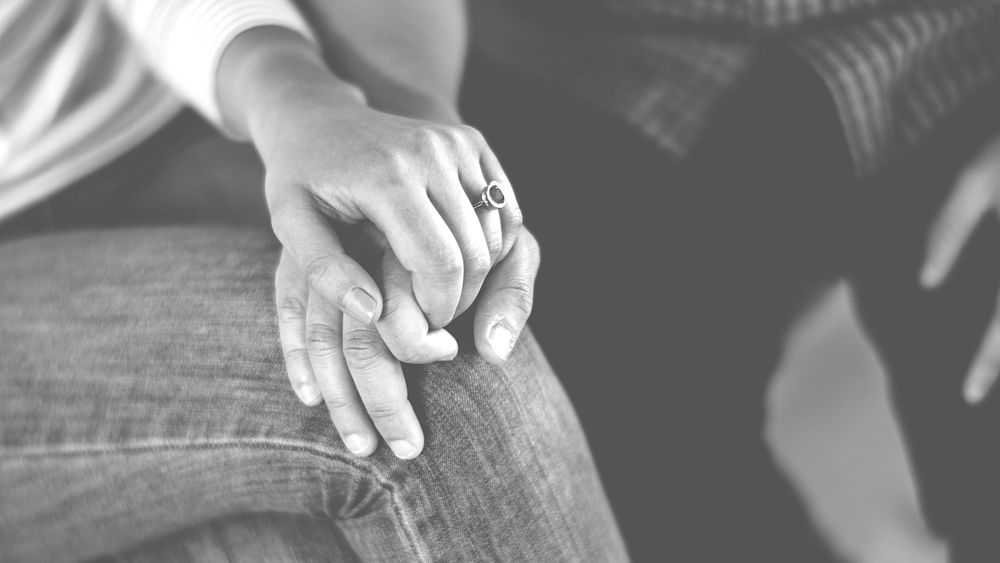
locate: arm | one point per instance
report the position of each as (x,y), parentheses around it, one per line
(184,40)
(407,56)
(334,357)
(332,162)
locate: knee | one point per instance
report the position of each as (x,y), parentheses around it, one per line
(505,462)
(501,415)
(503,409)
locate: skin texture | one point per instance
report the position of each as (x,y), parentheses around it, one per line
(416,253)
(975,195)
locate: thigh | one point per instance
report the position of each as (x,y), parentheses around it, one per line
(250,538)
(927,338)
(142,392)
(185,173)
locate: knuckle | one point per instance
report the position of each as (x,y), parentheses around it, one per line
(428,143)
(363,350)
(494,245)
(455,135)
(388,159)
(391,165)
(291,310)
(341,401)
(399,164)
(532,249)
(295,355)
(446,265)
(322,339)
(516,217)
(479,261)
(475,136)
(318,268)
(521,295)
(384,408)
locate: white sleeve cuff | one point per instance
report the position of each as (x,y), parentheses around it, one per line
(184,39)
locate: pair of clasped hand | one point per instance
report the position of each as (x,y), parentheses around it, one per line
(382,247)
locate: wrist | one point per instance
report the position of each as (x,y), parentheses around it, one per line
(417,106)
(267,70)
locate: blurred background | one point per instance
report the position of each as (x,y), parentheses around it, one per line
(833,429)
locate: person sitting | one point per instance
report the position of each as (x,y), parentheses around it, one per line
(143,389)
(696,170)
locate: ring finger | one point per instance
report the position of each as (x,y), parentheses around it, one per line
(471,233)
(510,216)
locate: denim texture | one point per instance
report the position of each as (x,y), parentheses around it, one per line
(142,393)
(249,538)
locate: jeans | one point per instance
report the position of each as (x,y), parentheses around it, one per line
(687,273)
(145,413)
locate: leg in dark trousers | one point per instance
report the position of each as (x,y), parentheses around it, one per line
(667,287)
(927,339)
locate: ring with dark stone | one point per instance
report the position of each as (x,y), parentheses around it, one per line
(492,197)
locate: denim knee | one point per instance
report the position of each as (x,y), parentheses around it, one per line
(505,474)
(166,405)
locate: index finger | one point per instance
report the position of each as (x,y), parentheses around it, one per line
(379,379)
(403,326)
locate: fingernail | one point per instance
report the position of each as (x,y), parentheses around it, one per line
(403,449)
(307,393)
(356,443)
(360,305)
(501,340)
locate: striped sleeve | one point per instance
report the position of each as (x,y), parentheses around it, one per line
(184,39)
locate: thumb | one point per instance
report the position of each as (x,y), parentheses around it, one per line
(506,299)
(307,235)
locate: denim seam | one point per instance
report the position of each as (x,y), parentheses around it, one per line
(70,450)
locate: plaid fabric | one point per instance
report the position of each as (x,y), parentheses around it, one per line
(896,68)
(758,15)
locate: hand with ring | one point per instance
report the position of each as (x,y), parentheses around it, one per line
(355,367)
(333,163)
